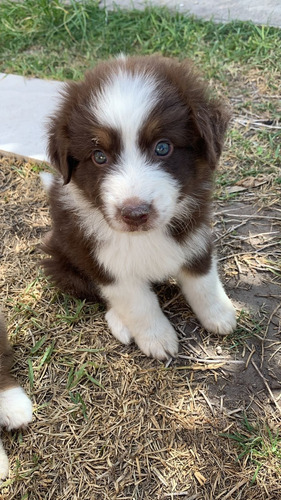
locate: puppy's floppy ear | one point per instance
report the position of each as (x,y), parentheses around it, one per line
(58,149)
(209,116)
(211,121)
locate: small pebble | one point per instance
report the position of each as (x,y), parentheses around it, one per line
(219,350)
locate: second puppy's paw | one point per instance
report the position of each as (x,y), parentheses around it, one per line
(15,408)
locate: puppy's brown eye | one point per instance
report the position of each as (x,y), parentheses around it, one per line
(163,148)
(99,157)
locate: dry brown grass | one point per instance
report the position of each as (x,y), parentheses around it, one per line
(109,423)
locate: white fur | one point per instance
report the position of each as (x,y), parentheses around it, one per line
(15,408)
(47,180)
(137,307)
(137,258)
(124,104)
(4,463)
(149,256)
(135,177)
(125,101)
(145,255)
(117,328)
(206,296)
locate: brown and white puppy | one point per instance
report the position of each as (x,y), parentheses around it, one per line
(135,145)
(15,406)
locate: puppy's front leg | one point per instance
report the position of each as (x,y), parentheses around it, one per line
(206,296)
(135,313)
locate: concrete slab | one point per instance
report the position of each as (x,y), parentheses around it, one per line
(25,105)
(257,11)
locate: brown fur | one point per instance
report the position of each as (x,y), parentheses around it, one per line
(72,267)
(194,122)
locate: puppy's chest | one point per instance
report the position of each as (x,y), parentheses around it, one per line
(148,256)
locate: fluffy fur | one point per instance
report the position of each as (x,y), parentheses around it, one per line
(15,406)
(135,145)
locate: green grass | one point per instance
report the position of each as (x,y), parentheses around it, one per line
(49,39)
(258,445)
(54,40)
(248,327)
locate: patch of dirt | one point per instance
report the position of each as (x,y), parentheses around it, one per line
(255,246)
(249,254)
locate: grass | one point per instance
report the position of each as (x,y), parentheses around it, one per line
(258,444)
(110,424)
(58,40)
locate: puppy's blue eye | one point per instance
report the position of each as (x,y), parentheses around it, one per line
(99,157)
(163,148)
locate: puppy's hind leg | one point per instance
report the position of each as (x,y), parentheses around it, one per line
(64,274)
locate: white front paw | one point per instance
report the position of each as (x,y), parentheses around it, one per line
(220,318)
(4,463)
(159,343)
(117,328)
(15,408)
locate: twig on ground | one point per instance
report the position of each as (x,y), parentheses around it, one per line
(267,386)
(181,494)
(253,350)
(235,488)
(257,124)
(266,331)
(172,300)
(207,401)
(212,360)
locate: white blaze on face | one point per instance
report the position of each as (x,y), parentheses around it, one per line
(124,105)
(125,101)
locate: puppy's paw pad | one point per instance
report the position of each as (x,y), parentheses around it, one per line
(162,346)
(4,463)
(15,408)
(117,328)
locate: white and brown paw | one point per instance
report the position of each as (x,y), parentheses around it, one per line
(15,408)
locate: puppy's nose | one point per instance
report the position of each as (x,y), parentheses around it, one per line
(135,214)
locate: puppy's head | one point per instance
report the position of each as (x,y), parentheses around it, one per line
(140,138)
